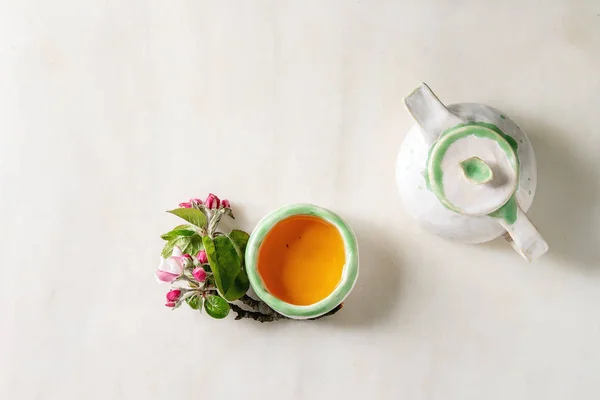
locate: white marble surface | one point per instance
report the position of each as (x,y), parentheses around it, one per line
(112,111)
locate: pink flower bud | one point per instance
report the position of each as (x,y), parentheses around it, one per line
(200,274)
(202,257)
(212,201)
(225,203)
(170,304)
(196,202)
(173,295)
(185,205)
(186,257)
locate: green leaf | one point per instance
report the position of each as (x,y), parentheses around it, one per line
(184,227)
(194,245)
(175,233)
(188,244)
(230,278)
(195,302)
(240,286)
(240,240)
(216,307)
(191,215)
(182,242)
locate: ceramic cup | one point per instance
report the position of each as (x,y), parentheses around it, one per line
(302,260)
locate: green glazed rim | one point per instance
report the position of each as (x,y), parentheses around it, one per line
(349,272)
(434,172)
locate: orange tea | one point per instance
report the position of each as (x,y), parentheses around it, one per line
(301,260)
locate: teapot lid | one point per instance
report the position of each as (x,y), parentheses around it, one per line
(473,168)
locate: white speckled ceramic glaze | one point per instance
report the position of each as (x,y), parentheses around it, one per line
(427,209)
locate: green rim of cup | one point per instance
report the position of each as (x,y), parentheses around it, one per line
(349,272)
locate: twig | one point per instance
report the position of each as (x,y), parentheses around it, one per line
(263,313)
(258,305)
(241,313)
(249,301)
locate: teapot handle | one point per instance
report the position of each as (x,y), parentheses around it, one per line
(430,113)
(524,237)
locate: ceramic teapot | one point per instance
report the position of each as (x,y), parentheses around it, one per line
(467,172)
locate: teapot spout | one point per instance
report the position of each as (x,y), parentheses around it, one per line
(430,113)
